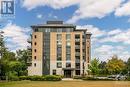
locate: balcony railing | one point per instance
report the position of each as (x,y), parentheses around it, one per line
(77,60)
(77,40)
(77,53)
(29,40)
(77,46)
(29,47)
(77,67)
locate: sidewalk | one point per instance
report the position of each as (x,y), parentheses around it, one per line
(71,79)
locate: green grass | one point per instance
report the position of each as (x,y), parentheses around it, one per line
(66,84)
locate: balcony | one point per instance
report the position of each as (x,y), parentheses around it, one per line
(78,67)
(29,47)
(77,61)
(30,54)
(77,53)
(77,40)
(77,46)
(29,61)
(29,40)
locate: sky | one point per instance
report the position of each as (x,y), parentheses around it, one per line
(108,20)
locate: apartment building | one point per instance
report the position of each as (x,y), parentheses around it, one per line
(59,49)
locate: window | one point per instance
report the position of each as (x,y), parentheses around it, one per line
(68,36)
(68,43)
(59,50)
(35,43)
(47,30)
(59,36)
(77,65)
(68,57)
(59,30)
(68,50)
(68,30)
(35,57)
(59,57)
(36,30)
(59,65)
(35,50)
(77,72)
(59,42)
(77,36)
(34,64)
(35,36)
(54,72)
(68,65)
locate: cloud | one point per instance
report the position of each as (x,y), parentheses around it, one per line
(56,4)
(39,16)
(119,36)
(101,41)
(115,31)
(96,32)
(105,52)
(86,8)
(94,9)
(16,36)
(123,10)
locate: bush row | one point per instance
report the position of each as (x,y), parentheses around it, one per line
(41,78)
(96,79)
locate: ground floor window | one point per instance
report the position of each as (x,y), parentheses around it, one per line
(54,72)
(77,72)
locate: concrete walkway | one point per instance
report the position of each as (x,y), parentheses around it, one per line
(71,79)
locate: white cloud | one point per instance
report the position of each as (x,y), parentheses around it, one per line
(115,31)
(56,4)
(86,8)
(94,9)
(123,10)
(119,36)
(115,37)
(105,52)
(39,16)
(16,36)
(96,32)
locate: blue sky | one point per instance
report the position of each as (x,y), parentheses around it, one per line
(108,20)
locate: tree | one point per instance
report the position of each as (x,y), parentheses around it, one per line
(115,65)
(94,69)
(102,68)
(128,66)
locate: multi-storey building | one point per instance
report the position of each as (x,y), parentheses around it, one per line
(59,49)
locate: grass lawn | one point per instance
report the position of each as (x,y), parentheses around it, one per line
(66,84)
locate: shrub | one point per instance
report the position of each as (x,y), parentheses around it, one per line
(128,78)
(96,79)
(52,78)
(36,78)
(42,78)
(13,76)
(23,77)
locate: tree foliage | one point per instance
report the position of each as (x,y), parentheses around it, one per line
(12,64)
(115,65)
(94,69)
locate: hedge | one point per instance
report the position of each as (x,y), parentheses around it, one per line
(96,79)
(41,78)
